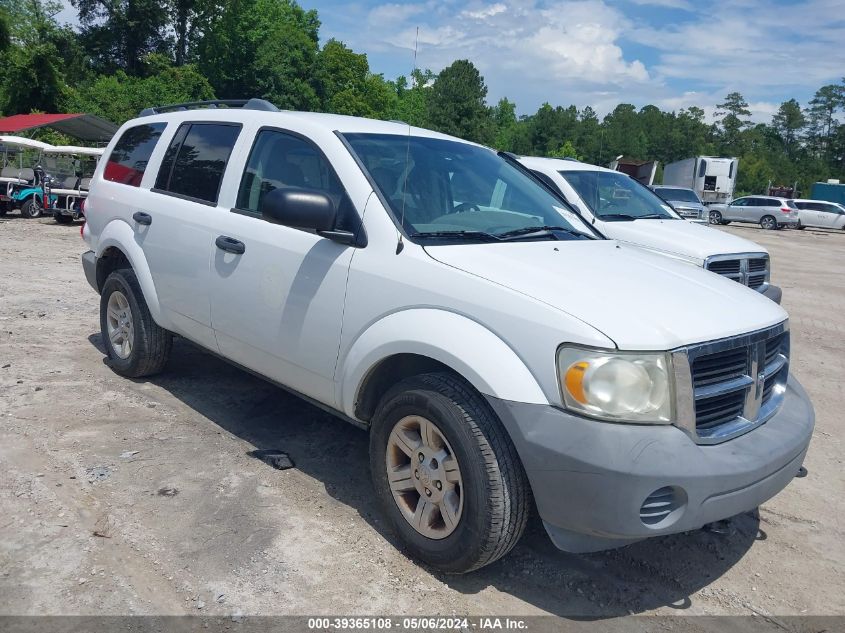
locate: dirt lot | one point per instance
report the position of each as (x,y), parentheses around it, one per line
(140,497)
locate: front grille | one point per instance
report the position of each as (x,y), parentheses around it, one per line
(725,267)
(755,281)
(735,382)
(752,271)
(719,367)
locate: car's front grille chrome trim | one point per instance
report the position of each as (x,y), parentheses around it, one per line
(749,269)
(716,411)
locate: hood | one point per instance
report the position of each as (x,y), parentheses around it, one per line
(639,300)
(680,237)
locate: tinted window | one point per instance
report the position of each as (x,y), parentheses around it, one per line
(279,160)
(791,204)
(128,159)
(200,160)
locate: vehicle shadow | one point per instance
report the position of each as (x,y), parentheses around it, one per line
(660,572)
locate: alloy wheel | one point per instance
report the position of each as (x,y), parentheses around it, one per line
(424,477)
(119,324)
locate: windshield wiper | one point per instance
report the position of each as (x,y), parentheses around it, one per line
(655,216)
(527,231)
(617,217)
(470,235)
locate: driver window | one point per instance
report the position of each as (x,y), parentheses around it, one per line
(280,160)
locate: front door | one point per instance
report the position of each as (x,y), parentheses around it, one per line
(277,306)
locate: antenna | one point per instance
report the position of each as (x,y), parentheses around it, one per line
(400,244)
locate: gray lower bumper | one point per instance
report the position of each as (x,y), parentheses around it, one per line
(591,478)
(774,293)
(89,265)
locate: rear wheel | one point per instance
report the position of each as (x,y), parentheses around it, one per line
(716,218)
(62,219)
(769,223)
(447,474)
(31,208)
(135,344)
(800,226)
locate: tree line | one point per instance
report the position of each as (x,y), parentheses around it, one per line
(129,54)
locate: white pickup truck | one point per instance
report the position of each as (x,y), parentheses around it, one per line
(623,209)
(499,352)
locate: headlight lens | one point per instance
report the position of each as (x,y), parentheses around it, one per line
(617,386)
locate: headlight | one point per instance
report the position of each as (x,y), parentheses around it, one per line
(617,386)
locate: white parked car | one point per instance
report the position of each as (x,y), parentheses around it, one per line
(770,212)
(829,215)
(623,209)
(428,290)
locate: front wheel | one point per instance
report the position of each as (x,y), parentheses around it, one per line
(715,217)
(446,473)
(768,222)
(135,344)
(31,208)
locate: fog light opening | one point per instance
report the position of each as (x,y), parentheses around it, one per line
(663,507)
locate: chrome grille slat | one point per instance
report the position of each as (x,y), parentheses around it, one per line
(749,269)
(734,383)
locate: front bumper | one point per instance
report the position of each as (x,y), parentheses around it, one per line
(89,265)
(591,478)
(774,293)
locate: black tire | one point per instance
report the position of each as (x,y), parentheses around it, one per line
(495,490)
(31,208)
(150,343)
(800,226)
(769,223)
(62,219)
(715,217)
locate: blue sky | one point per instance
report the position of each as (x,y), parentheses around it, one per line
(672,53)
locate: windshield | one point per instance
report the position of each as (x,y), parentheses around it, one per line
(447,190)
(677,195)
(614,196)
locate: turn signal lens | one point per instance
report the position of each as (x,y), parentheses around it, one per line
(574,380)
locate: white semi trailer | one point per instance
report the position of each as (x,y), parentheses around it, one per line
(712,178)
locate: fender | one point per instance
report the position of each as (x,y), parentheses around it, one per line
(462,344)
(119,234)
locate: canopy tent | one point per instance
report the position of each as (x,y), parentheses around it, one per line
(85,127)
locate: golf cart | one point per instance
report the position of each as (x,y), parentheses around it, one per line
(23,182)
(69,170)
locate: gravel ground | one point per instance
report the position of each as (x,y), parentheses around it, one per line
(140,497)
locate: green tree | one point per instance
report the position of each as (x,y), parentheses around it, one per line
(262,48)
(733,112)
(411,98)
(505,122)
(821,119)
(456,104)
(567,150)
(345,85)
(788,123)
(119,97)
(119,34)
(32,80)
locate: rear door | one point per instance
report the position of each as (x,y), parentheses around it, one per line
(827,214)
(178,240)
(277,306)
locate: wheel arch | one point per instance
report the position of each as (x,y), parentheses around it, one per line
(116,247)
(415,341)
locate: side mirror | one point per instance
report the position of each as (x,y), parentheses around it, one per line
(299,208)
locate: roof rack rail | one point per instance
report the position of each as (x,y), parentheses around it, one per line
(246,104)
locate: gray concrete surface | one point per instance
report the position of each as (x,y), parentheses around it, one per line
(121,496)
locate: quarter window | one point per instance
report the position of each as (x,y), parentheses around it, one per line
(280,160)
(196,159)
(129,158)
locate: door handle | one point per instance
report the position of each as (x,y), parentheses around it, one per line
(142,218)
(230,245)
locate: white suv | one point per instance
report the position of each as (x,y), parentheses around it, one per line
(424,288)
(623,209)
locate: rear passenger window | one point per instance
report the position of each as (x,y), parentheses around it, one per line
(196,159)
(128,159)
(280,160)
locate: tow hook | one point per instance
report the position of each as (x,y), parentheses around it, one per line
(802,472)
